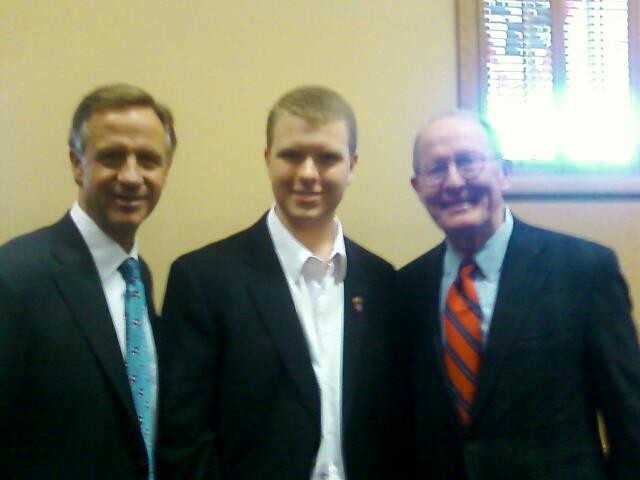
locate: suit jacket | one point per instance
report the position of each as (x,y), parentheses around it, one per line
(66,411)
(561,347)
(241,399)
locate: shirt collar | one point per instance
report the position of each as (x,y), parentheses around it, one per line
(490,256)
(106,253)
(293,255)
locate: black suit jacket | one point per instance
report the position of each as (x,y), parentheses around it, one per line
(561,347)
(66,411)
(241,399)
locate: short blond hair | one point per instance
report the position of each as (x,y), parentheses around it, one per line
(315,104)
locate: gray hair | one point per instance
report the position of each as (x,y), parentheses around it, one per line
(467,114)
(117,95)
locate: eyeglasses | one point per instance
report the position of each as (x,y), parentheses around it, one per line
(468,164)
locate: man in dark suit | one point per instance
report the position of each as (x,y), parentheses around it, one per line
(78,379)
(522,335)
(277,342)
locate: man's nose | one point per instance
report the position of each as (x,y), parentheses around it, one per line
(308,169)
(453,178)
(130,173)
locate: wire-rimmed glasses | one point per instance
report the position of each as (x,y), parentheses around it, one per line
(469,165)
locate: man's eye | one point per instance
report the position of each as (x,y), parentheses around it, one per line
(328,158)
(290,155)
(437,169)
(148,159)
(464,160)
(110,157)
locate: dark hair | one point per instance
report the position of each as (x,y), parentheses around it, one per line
(114,96)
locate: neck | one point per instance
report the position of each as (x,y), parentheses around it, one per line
(318,237)
(467,244)
(123,236)
(469,241)
(125,241)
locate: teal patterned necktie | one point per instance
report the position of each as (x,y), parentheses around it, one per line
(138,355)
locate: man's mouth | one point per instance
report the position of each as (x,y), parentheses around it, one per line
(307,195)
(129,201)
(459,203)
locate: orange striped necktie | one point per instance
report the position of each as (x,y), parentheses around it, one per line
(462,339)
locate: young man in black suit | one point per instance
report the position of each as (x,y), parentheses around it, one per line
(277,342)
(73,402)
(522,335)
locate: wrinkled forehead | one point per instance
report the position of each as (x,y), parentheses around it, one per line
(449,135)
(139,124)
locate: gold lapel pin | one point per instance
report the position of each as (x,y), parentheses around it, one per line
(357,303)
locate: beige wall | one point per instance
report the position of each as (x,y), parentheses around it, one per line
(220,65)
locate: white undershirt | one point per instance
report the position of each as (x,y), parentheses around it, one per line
(317,289)
(107,256)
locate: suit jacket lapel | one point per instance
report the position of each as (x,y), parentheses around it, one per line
(519,282)
(148,289)
(80,286)
(355,322)
(273,301)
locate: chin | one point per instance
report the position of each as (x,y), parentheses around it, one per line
(457,219)
(305,220)
(460,225)
(125,223)
(302,212)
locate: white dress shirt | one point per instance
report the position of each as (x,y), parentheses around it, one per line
(317,289)
(107,256)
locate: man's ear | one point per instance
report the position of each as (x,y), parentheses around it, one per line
(507,168)
(266,155)
(76,167)
(414,184)
(353,161)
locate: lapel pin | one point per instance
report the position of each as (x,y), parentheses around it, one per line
(357,303)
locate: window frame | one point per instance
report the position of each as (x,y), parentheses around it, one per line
(472,89)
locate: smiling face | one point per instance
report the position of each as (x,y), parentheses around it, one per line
(310,168)
(469,210)
(122,170)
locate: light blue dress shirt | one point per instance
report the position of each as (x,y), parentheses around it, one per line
(487,278)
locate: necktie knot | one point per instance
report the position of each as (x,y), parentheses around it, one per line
(467,267)
(130,270)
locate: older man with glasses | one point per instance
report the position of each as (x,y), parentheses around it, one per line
(522,335)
